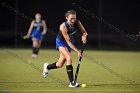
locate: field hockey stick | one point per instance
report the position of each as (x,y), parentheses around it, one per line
(138,35)
(25,37)
(79,62)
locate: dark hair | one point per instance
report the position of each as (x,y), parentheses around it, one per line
(70,12)
(38,13)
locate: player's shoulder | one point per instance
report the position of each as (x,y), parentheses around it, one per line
(62,26)
(78,21)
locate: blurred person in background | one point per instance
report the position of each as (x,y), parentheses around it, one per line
(36,31)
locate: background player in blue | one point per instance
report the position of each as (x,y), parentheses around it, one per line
(37,29)
(65,43)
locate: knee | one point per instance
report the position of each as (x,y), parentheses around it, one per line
(59,65)
(39,45)
(35,44)
(69,60)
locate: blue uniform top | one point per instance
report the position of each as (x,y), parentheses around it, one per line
(60,41)
(37,30)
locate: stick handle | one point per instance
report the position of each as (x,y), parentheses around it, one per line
(79,62)
(83,46)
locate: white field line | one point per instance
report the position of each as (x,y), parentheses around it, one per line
(71,90)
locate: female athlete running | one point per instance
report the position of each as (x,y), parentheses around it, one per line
(37,29)
(65,43)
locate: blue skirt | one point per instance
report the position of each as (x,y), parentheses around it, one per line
(37,35)
(63,43)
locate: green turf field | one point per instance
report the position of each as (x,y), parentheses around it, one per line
(102,71)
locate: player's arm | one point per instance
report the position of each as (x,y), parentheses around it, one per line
(30,29)
(82,29)
(64,31)
(44,27)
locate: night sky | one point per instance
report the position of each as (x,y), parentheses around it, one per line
(123,14)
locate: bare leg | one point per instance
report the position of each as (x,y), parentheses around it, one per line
(66,54)
(36,46)
(60,61)
(57,64)
(39,43)
(35,42)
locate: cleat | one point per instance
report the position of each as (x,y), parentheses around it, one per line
(34,55)
(72,85)
(45,70)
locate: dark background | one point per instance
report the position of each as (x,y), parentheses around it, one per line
(16,17)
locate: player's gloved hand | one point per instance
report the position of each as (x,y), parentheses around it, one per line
(84,39)
(79,54)
(43,33)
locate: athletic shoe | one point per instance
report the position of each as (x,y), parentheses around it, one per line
(45,70)
(34,55)
(72,85)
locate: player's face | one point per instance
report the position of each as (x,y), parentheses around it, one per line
(71,19)
(38,17)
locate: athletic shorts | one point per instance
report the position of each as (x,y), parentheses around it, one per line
(62,43)
(37,35)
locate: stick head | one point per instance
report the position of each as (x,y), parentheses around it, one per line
(138,35)
(25,37)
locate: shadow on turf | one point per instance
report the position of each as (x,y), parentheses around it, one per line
(131,82)
(34,67)
(30,82)
(5,92)
(113,84)
(111,70)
